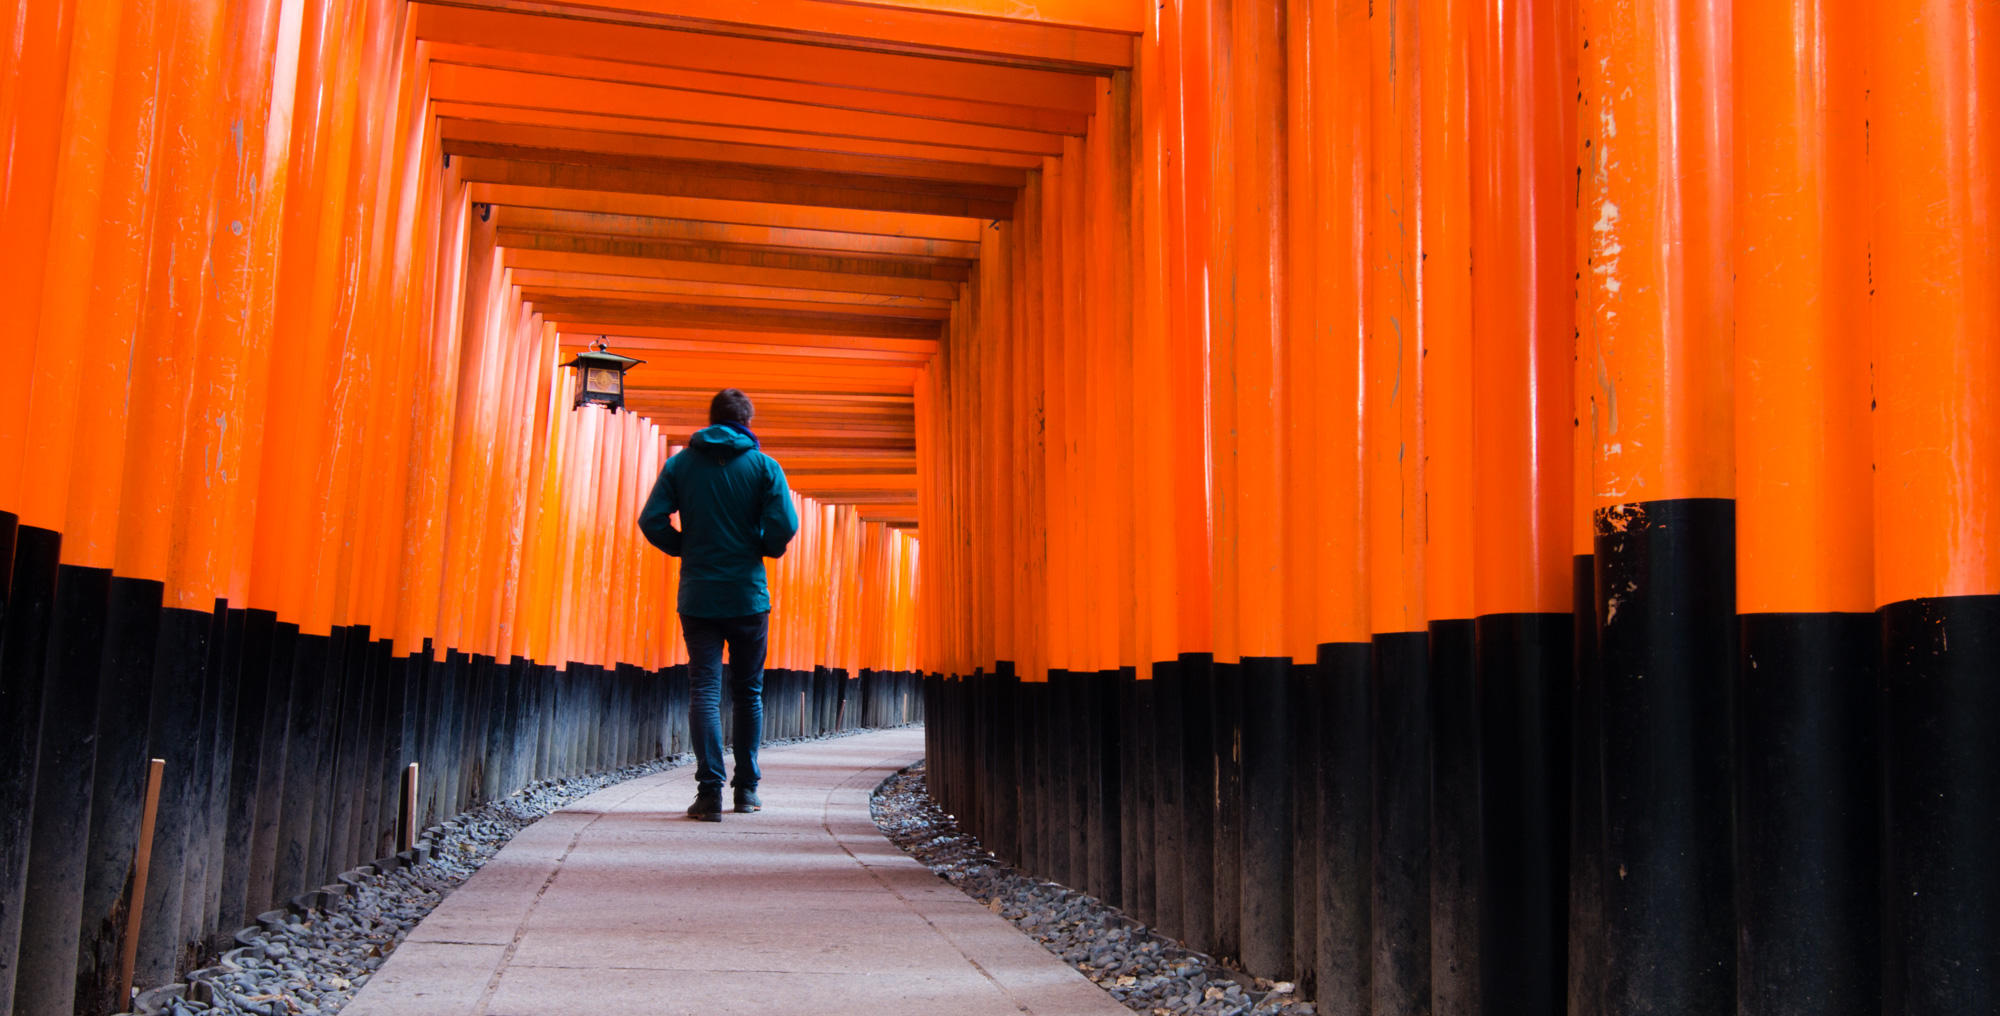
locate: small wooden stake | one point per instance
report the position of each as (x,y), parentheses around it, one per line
(406,836)
(128,959)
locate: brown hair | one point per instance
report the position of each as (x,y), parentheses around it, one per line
(730,405)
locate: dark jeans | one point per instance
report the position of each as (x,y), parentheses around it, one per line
(705,638)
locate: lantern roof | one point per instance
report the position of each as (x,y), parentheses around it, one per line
(602,357)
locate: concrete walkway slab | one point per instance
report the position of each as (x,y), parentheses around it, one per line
(619,903)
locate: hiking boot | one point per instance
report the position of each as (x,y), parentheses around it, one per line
(747,802)
(707,806)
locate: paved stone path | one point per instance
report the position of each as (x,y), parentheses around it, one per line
(620,904)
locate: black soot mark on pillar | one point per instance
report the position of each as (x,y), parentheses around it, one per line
(1808,813)
(1524,673)
(1942,681)
(1402,857)
(1666,595)
(1346,827)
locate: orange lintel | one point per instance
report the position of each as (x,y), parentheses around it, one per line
(806,483)
(1128,16)
(874,100)
(639,227)
(751,213)
(578,284)
(745,257)
(645,338)
(771,349)
(835,193)
(594,314)
(820,304)
(465,121)
(791,61)
(803,463)
(500,87)
(700,271)
(755,145)
(944,33)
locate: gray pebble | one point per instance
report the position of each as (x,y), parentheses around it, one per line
(1100,941)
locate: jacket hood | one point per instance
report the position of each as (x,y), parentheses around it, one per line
(723,442)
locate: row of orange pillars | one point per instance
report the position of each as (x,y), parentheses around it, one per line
(1471,507)
(1521,537)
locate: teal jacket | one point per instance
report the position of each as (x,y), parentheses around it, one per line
(735,512)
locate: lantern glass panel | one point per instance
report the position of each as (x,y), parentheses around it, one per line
(604,380)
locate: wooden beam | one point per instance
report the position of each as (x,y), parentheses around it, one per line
(733,142)
(727,235)
(760,86)
(579,285)
(557,252)
(644,338)
(821,304)
(737,183)
(460,121)
(790,353)
(723,257)
(665,46)
(602,315)
(498,86)
(753,213)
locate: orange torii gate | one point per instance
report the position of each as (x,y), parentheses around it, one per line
(1464,506)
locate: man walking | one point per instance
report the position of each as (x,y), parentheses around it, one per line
(735,511)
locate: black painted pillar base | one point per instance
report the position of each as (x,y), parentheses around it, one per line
(1226,720)
(1169,783)
(1266,921)
(1586,799)
(1666,596)
(1106,847)
(1523,663)
(1402,862)
(1942,930)
(1808,800)
(1302,732)
(1345,833)
(24,634)
(1455,834)
(1006,841)
(1198,805)
(179,674)
(58,857)
(125,693)
(1141,884)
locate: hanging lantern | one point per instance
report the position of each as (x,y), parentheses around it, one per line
(601,374)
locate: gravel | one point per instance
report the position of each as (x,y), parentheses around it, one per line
(1148,972)
(310,961)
